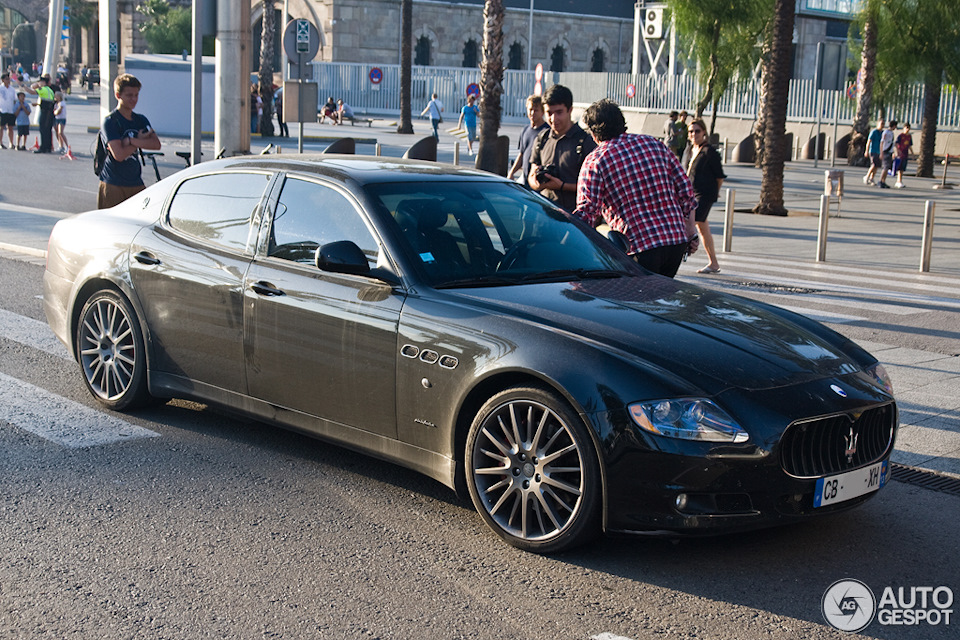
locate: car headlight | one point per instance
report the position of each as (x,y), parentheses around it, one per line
(690,419)
(881,377)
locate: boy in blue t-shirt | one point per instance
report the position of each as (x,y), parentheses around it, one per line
(468,117)
(22,117)
(124,133)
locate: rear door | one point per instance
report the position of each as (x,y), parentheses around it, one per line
(188,274)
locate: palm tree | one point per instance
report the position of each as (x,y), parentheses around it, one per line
(406,65)
(777,90)
(265,77)
(491,83)
(865,81)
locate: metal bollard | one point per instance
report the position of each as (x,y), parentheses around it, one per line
(728,221)
(822,228)
(456,153)
(929,208)
(943,182)
(379,151)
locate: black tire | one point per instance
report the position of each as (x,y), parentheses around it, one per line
(532,471)
(111,352)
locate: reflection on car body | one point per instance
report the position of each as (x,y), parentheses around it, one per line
(450,321)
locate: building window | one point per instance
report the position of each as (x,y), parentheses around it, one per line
(515,56)
(422,54)
(471,54)
(597,61)
(556,59)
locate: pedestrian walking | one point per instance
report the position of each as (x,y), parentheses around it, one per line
(434,110)
(283,129)
(559,151)
(886,153)
(705,171)
(124,133)
(468,118)
(872,151)
(904,144)
(636,185)
(22,115)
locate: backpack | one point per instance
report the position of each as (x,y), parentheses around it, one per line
(100,155)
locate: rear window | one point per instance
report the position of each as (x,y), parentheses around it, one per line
(218,208)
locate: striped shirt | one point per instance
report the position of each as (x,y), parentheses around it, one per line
(637,186)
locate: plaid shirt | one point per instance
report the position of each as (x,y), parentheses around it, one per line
(637,186)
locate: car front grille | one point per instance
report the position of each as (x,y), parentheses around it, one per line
(837,443)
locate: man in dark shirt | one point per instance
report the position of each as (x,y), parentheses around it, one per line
(559,153)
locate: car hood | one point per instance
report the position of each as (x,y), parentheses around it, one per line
(713,340)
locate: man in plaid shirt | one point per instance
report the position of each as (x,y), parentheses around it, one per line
(636,185)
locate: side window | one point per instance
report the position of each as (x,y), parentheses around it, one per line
(218,208)
(310,215)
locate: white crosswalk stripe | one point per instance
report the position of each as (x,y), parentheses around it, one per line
(46,414)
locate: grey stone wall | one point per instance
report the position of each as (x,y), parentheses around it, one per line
(369,31)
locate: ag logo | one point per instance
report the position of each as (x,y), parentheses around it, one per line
(848,605)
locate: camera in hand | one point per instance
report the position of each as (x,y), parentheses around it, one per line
(552,169)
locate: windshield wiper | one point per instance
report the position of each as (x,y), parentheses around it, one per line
(572,274)
(477,281)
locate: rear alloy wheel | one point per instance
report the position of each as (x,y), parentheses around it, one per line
(532,471)
(112,357)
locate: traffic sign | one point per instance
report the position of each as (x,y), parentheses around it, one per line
(538,74)
(473,89)
(376,75)
(538,89)
(301,38)
(631,91)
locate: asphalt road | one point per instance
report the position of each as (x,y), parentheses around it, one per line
(217,527)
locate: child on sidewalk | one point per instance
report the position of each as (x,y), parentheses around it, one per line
(60,121)
(22,114)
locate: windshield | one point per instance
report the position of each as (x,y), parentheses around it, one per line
(492,233)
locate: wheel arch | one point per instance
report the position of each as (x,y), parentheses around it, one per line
(492,385)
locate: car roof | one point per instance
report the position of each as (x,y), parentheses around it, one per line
(362,169)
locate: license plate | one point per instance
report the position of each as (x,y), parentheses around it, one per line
(850,485)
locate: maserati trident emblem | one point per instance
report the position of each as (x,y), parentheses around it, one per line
(839,391)
(851,442)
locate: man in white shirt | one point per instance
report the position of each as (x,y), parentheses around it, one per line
(8,108)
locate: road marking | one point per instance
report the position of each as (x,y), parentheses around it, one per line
(823,316)
(32,333)
(608,636)
(65,422)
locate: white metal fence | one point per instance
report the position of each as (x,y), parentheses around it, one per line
(351,81)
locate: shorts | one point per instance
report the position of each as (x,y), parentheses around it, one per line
(7,119)
(60,122)
(902,167)
(110,195)
(887,161)
(703,209)
(875,160)
(23,129)
(471,133)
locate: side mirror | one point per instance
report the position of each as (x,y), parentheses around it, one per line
(619,240)
(342,256)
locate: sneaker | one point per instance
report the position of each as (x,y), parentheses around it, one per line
(899,185)
(867,180)
(884,185)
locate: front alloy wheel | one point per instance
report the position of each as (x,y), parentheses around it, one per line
(532,471)
(110,346)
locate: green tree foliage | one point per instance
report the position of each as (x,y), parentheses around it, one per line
(917,41)
(168,29)
(723,37)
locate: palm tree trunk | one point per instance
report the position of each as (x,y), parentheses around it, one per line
(931,108)
(406,65)
(491,83)
(265,77)
(866,79)
(775,71)
(714,71)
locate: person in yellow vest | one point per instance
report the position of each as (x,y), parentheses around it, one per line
(44,93)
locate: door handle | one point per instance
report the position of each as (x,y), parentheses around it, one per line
(145,257)
(266,289)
